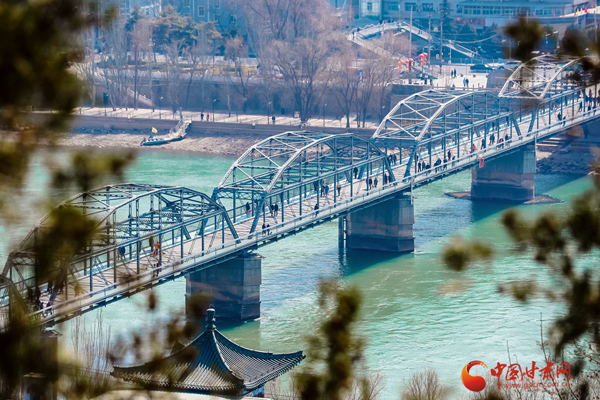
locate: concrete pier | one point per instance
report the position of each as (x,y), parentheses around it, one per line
(234,287)
(387,226)
(510,178)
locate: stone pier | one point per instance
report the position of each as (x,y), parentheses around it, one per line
(234,287)
(509,178)
(387,226)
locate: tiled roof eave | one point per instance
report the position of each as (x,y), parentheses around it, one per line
(252,385)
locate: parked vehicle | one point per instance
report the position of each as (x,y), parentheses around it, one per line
(510,64)
(481,68)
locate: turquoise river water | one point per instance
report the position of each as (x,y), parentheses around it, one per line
(408,318)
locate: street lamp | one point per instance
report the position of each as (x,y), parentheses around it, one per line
(324,109)
(160,108)
(214,101)
(268,111)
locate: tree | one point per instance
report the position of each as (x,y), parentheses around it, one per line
(335,353)
(378,73)
(35,73)
(115,67)
(424,385)
(346,75)
(466,33)
(526,34)
(236,51)
(172,27)
(447,25)
(296,37)
(199,54)
(173,72)
(140,44)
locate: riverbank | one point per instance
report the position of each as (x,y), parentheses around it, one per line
(223,138)
(223,144)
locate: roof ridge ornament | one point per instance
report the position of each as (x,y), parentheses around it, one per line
(210,318)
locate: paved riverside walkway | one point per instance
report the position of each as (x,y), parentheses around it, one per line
(314,123)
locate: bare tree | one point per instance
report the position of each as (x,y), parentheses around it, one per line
(424,385)
(86,69)
(345,79)
(299,36)
(199,55)
(173,72)
(236,51)
(115,45)
(141,38)
(377,74)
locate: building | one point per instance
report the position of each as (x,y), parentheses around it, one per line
(226,15)
(477,12)
(211,364)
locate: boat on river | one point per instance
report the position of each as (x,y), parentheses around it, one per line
(175,135)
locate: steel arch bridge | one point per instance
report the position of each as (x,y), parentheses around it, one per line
(291,182)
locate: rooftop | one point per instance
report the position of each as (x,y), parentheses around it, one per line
(211,364)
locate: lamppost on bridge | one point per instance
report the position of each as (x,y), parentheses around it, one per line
(213,114)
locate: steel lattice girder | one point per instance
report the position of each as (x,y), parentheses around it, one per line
(543,78)
(289,159)
(434,114)
(125,213)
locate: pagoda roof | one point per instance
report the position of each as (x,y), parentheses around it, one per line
(211,364)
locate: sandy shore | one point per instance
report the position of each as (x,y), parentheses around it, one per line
(232,145)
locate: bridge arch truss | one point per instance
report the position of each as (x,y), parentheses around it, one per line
(129,220)
(289,169)
(429,125)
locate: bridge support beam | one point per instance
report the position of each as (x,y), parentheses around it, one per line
(387,226)
(510,178)
(234,287)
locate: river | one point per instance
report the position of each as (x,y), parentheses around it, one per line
(409,318)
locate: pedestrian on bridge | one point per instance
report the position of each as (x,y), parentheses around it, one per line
(248,208)
(375,182)
(339,188)
(355,172)
(201,116)
(264,229)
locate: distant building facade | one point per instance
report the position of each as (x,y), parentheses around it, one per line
(225,14)
(476,12)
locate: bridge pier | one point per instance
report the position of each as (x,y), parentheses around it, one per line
(387,226)
(234,287)
(509,178)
